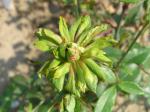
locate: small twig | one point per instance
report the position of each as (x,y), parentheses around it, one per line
(120,21)
(133,42)
(38,106)
(142,68)
(57,98)
(77,7)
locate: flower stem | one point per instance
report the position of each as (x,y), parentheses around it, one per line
(143,69)
(77,8)
(131,45)
(119,24)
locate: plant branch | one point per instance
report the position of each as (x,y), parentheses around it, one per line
(131,45)
(119,24)
(77,7)
(142,68)
(56,99)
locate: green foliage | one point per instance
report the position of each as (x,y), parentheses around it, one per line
(75,54)
(25,94)
(107,100)
(137,55)
(67,1)
(147,8)
(82,60)
(130,1)
(130,87)
(148,17)
(133,15)
(83,74)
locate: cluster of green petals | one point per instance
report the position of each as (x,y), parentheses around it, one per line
(79,60)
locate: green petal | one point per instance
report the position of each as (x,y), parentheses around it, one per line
(70,103)
(74,28)
(62,70)
(93,32)
(55,63)
(90,78)
(101,71)
(43,45)
(102,42)
(63,28)
(85,24)
(80,78)
(43,70)
(71,83)
(49,35)
(59,82)
(97,54)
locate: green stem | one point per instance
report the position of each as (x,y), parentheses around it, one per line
(142,68)
(38,106)
(119,25)
(131,45)
(57,98)
(77,8)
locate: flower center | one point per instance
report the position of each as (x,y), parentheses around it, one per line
(73,52)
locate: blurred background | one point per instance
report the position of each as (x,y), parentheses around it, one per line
(20,88)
